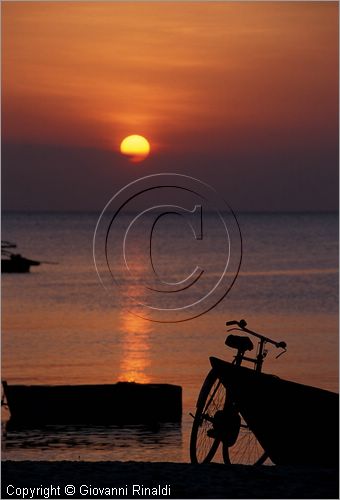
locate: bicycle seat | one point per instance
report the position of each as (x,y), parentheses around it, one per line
(240,343)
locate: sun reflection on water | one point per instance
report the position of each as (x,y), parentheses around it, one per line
(135,358)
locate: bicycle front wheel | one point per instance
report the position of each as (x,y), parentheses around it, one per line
(204,440)
(218,420)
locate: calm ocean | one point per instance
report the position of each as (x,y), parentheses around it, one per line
(60,326)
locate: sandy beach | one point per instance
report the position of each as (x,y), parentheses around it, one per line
(164,480)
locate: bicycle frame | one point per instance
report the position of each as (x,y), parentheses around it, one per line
(218,417)
(257,361)
(261,352)
(258,416)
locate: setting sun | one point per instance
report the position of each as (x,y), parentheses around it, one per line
(136,147)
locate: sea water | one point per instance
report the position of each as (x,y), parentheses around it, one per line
(61,326)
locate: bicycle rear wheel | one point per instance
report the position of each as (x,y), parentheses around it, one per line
(204,441)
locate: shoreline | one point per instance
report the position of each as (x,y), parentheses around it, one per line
(164,480)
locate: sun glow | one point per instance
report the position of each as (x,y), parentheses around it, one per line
(136,147)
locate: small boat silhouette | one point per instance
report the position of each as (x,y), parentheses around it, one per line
(15,262)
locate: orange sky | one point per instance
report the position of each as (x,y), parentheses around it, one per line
(222,75)
(92,72)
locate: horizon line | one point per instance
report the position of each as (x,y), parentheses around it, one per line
(238,212)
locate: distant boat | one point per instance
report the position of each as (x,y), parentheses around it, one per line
(14,262)
(17,264)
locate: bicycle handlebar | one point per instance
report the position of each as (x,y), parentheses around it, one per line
(242,325)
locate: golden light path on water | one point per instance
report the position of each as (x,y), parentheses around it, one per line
(135,356)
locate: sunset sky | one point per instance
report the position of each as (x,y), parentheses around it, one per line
(241,95)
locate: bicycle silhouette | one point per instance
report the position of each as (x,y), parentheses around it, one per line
(258,417)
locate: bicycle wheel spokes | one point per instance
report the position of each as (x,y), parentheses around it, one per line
(217,420)
(204,439)
(215,399)
(247,449)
